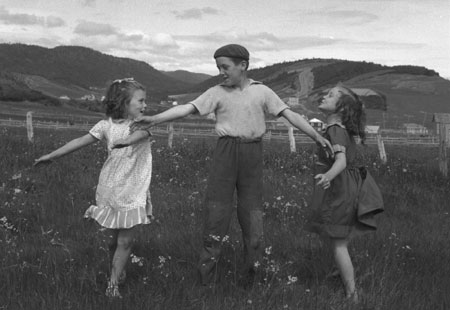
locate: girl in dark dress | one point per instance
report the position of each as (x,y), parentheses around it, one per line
(345,198)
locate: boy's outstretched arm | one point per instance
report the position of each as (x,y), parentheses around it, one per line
(68,148)
(299,122)
(135,137)
(180,111)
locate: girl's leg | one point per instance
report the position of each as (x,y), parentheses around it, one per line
(112,249)
(120,258)
(345,266)
(113,244)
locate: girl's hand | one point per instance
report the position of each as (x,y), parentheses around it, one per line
(120,143)
(323,181)
(43,160)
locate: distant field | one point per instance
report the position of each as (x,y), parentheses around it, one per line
(53,259)
(18,110)
(410,99)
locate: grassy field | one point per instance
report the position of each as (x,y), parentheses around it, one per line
(51,258)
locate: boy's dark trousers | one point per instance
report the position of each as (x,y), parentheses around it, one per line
(237,164)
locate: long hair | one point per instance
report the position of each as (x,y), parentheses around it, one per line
(119,95)
(352,112)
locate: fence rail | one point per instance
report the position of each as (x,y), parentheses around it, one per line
(277,135)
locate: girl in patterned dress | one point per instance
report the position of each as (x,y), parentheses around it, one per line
(346,197)
(122,196)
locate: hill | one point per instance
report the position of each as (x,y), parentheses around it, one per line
(13,88)
(187,77)
(393,95)
(82,68)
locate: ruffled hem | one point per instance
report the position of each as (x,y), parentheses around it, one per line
(116,219)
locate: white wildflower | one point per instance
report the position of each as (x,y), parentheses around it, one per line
(16,176)
(291,280)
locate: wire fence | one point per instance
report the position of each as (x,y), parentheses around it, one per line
(188,130)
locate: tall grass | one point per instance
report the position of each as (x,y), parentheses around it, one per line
(51,258)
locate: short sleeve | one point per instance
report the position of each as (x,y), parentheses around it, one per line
(273,104)
(339,138)
(99,130)
(206,102)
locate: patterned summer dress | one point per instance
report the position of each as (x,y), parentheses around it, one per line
(123,196)
(349,205)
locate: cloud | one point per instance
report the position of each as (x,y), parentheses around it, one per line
(89,3)
(387,45)
(23,19)
(164,40)
(53,22)
(338,17)
(352,16)
(262,41)
(132,37)
(195,13)
(20,19)
(87,28)
(130,45)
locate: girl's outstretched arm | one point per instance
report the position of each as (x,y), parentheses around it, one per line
(179,111)
(339,165)
(68,148)
(135,137)
(299,122)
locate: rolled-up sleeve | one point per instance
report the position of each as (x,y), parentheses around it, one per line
(206,102)
(273,104)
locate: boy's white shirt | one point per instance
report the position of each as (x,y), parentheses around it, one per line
(240,113)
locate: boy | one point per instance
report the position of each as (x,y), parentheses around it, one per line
(240,105)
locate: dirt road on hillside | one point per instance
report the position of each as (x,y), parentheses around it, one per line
(306,79)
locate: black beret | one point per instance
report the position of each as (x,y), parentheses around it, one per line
(232,50)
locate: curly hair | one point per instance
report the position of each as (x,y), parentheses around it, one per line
(119,95)
(352,112)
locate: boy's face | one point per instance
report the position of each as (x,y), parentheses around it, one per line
(137,104)
(231,73)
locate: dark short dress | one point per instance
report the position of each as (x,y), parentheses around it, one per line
(353,199)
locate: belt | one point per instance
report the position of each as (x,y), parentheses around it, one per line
(242,140)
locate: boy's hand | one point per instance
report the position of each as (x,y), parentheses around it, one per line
(142,122)
(323,181)
(43,160)
(324,143)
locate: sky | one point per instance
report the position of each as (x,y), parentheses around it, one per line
(183,35)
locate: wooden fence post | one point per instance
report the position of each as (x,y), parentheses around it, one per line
(269,135)
(443,149)
(30,133)
(170,138)
(291,139)
(381,149)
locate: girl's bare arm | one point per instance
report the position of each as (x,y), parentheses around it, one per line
(135,137)
(339,165)
(68,148)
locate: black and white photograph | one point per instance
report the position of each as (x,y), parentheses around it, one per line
(224,155)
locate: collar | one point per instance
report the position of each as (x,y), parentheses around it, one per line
(251,82)
(254,82)
(333,124)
